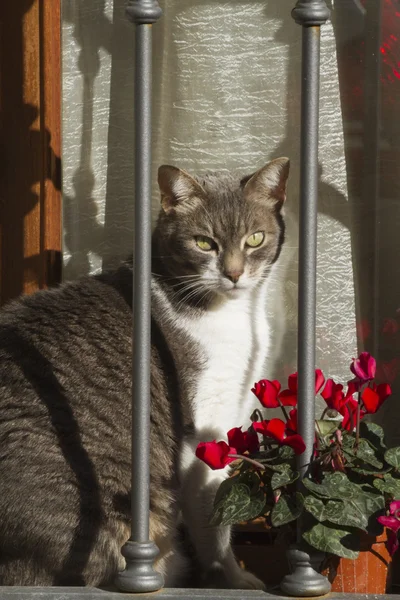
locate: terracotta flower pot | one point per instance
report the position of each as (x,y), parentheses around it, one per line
(370,573)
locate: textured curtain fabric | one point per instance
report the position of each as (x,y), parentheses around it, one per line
(226,96)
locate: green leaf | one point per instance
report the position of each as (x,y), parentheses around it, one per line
(348,440)
(374,434)
(369,470)
(286,452)
(225,488)
(316,488)
(285,477)
(392,457)
(316,507)
(334,485)
(287,509)
(341,542)
(336,512)
(367,454)
(278,467)
(247,477)
(240,504)
(354,512)
(388,484)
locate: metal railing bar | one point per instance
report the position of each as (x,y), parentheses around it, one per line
(310,14)
(139,551)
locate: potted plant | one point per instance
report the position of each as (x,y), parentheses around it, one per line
(349,492)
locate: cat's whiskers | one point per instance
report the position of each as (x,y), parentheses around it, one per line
(203,297)
(194,289)
(182,286)
(186,278)
(193,285)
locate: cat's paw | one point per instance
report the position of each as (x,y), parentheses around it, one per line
(244,580)
(233,579)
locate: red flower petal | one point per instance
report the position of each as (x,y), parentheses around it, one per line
(352,388)
(390,522)
(260,426)
(296,442)
(349,412)
(333,395)
(278,430)
(267,392)
(364,367)
(394,508)
(371,400)
(237,439)
(253,444)
(243,441)
(319,380)
(215,454)
(291,424)
(291,393)
(292,382)
(274,428)
(288,398)
(373,397)
(384,391)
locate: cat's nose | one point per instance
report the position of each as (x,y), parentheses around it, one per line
(233,275)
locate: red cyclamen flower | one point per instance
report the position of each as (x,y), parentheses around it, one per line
(243,441)
(291,423)
(364,367)
(345,405)
(333,395)
(392,522)
(373,397)
(267,392)
(215,454)
(278,430)
(349,413)
(289,397)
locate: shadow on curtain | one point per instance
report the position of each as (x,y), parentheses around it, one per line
(227,95)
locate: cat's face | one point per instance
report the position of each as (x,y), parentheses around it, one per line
(220,234)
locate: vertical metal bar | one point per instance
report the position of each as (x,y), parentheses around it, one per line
(139,551)
(308,239)
(142,300)
(310,14)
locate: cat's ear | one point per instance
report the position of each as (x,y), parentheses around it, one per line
(269,182)
(177,187)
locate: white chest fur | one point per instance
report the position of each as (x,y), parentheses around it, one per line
(233,338)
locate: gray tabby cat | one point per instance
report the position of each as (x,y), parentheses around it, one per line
(65,389)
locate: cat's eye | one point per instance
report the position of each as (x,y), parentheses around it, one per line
(205,243)
(255,239)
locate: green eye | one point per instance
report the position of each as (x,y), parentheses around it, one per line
(205,243)
(255,239)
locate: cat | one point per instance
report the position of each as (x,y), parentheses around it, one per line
(65,389)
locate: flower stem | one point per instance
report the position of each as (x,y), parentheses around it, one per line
(324,413)
(283,409)
(259,413)
(253,462)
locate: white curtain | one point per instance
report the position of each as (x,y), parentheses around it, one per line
(226,96)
